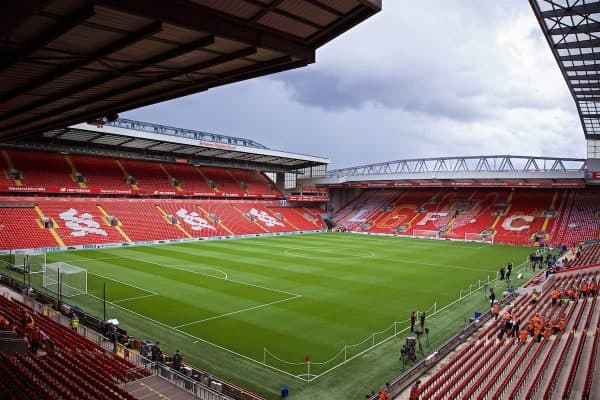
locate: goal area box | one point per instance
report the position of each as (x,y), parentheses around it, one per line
(30,263)
(66,279)
(423,233)
(479,237)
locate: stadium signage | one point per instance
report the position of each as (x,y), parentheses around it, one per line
(309,198)
(220,146)
(525,184)
(138,192)
(313,190)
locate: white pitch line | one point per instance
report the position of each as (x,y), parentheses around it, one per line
(375,257)
(200,266)
(135,298)
(198,339)
(123,283)
(211,276)
(90,259)
(236,312)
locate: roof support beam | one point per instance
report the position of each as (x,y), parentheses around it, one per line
(120,44)
(70,91)
(194,16)
(18,12)
(579,44)
(142,84)
(580,57)
(265,10)
(356,16)
(586,77)
(579,28)
(272,66)
(586,67)
(273,8)
(593,85)
(581,9)
(62,27)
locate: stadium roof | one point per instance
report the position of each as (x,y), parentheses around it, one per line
(495,170)
(572,29)
(64,62)
(185,145)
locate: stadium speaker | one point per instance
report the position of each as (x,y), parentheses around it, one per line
(112,117)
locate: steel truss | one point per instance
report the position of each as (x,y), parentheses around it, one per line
(498,163)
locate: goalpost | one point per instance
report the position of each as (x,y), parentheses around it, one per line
(423,233)
(479,237)
(31,263)
(71,280)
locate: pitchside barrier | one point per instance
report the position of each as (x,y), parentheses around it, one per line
(154,242)
(310,370)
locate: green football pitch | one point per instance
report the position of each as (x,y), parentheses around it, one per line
(267,303)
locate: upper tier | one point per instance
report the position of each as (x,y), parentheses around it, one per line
(43,172)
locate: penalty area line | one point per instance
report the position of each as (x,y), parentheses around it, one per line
(135,298)
(123,283)
(198,339)
(237,312)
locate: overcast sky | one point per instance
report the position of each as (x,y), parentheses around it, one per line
(419,79)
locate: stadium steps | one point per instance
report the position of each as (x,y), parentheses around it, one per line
(52,231)
(126,173)
(118,228)
(581,368)
(42,168)
(170,178)
(568,366)
(100,172)
(207,180)
(521,377)
(220,222)
(155,388)
(74,171)
(20,229)
(167,221)
(535,384)
(148,175)
(5,166)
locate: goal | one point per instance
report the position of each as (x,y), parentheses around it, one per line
(31,263)
(423,233)
(66,279)
(479,237)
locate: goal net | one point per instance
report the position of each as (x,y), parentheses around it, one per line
(65,278)
(423,233)
(31,263)
(479,237)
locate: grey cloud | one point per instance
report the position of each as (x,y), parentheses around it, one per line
(407,92)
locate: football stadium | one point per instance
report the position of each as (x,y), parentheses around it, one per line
(149,261)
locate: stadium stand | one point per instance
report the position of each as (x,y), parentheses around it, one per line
(58,173)
(146,175)
(75,368)
(489,367)
(100,172)
(79,221)
(589,255)
(190,178)
(19,227)
(42,169)
(521,217)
